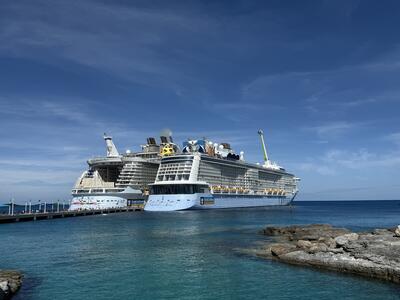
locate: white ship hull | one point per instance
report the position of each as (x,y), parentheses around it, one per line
(210,201)
(96,201)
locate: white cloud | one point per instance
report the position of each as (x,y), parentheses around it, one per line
(359,102)
(316,167)
(333,129)
(47,107)
(335,162)
(393,137)
(231,106)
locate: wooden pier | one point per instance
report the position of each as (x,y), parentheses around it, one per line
(64,214)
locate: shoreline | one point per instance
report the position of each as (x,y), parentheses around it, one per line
(374,254)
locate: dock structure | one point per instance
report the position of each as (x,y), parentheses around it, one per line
(23,217)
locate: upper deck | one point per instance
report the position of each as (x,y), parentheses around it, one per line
(181,165)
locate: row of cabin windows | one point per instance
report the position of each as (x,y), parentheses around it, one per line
(107,200)
(173,177)
(174,189)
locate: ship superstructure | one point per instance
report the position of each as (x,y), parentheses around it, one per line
(113,180)
(207,175)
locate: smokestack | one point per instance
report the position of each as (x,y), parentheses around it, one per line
(151,141)
(166,136)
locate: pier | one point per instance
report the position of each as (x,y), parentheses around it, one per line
(23,217)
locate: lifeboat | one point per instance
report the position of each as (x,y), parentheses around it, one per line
(232,189)
(216,188)
(270,192)
(226,189)
(275,192)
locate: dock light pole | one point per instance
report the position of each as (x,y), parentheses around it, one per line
(26,207)
(9,208)
(45,204)
(12,207)
(30,206)
(40,206)
(58,205)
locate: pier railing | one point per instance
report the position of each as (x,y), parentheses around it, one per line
(52,212)
(12,208)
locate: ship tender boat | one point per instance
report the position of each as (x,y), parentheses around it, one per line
(209,176)
(116,179)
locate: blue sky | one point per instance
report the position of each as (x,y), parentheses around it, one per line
(322,78)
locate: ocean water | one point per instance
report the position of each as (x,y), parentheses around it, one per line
(184,255)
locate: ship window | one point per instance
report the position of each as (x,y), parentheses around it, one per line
(83,191)
(178,189)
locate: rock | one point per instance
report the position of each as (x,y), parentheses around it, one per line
(303,244)
(380,231)
(10,282)
(345,238)
(279,249)
(374,254)
(309,232)
(4,287)
(397,231)
(310,237)
(269,231)
(318,247)
(275,230)
(14,286)
(2,295)
(335,250)
(328,241)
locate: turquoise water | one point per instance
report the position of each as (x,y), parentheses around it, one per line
(183,255)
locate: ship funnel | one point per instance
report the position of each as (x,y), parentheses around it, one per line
(166,136)
(151,141)
(111,149)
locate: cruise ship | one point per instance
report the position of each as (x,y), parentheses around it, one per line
(113,180)
(209,176)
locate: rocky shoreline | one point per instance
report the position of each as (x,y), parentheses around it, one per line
(374,254)
(10,282)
